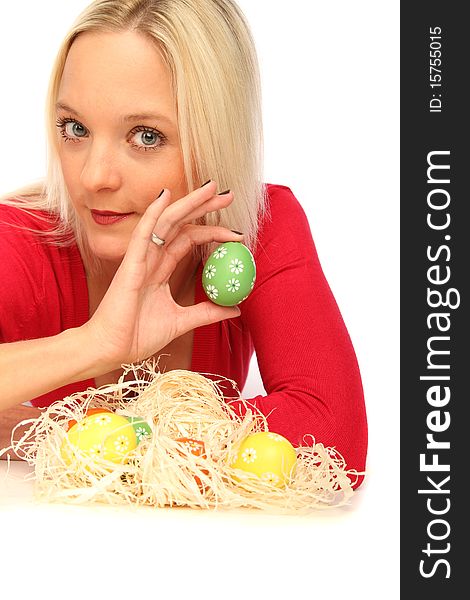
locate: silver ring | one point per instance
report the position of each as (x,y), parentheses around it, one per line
(156,240)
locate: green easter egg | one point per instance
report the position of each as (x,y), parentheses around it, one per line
(141,428)
(229,274)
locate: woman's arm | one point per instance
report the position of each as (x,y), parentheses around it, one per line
(305,356)
(31,368)
(9,418)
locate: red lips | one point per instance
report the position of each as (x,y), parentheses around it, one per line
(108,217)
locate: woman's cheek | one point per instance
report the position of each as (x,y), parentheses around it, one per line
(71,171)
(168,172)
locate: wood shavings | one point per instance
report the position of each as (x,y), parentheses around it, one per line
(163,471)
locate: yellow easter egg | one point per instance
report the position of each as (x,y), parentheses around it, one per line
(100,436)
(268,455)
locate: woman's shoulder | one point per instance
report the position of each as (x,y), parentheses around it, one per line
(284,232)
(282,203)
(279,192)
(43,280)
(31,239)
(283,214)
(23,228)
(24,218)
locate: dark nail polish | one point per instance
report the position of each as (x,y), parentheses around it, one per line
(160,193)
(223,193)
(237,232)
(208,181)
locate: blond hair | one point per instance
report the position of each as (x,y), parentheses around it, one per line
(209,50)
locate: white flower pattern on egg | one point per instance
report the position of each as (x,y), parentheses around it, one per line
(270,478)
(96,451)
(212,291)
(121,443)
(141,433)
(220,252)
(102,419)
(249,455)
(236,266)
(83,425)
(210,271)
(192,445)
(233,285)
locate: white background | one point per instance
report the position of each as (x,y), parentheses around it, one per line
(331,91)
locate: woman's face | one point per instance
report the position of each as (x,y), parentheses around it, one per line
(117,135)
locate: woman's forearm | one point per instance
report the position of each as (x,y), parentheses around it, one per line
(31,368)
(9,418)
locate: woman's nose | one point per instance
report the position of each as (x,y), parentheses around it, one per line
(101,168)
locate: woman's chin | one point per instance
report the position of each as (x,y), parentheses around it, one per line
(112,253)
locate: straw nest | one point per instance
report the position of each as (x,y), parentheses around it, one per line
(162,471)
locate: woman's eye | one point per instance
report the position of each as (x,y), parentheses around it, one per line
(146,138)
(75,129)
(70,129)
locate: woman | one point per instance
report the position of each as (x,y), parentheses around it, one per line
(154,108)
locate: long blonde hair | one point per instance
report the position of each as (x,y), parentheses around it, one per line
(209,50)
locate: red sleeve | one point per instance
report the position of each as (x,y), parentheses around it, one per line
(305,356)
(43,290)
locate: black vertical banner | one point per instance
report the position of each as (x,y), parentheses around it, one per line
(435,268)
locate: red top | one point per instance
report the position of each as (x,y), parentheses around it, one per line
(305,356)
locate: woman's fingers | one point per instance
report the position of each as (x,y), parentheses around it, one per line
(214,203)
(190,208)
(165,217)
(141,236)
(202,314)
(189,236)
(182,207)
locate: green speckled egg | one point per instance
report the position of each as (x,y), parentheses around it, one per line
(229,274)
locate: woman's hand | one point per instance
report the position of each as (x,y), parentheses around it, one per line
(138,315)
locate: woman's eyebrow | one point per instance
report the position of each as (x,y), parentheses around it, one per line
(147,115)
(126,118)
(63,106)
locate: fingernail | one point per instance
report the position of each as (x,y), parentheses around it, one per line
(160,193)
(223,193)
(208,181)
(237,232)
